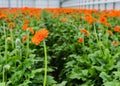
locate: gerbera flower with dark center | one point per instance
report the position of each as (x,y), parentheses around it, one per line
(115,43)
(40,36)
(103,20)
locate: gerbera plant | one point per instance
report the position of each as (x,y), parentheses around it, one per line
(37,39)
(84,47)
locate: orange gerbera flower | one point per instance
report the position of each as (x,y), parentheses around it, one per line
(115,43)
(10,38)
(26,21)
(24,39)
(103,20)
(89,19)
(8,19)
(25,26)
(40,36)
(117,29)
(31,30)
(80,40)
(64,19)
(108,25)
(11,25)
(15,16)
(84,31)
(110,32)
(3,16)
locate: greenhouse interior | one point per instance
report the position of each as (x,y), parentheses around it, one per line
(59,42)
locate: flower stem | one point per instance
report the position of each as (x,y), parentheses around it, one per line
(45,62)
(11,33)
(83,41)
(27,51)
(5,54)
(98,40)
(3,75)
(96,34)
(107,40)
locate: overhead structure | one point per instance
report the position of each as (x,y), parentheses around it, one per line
(90,4)
(29,3)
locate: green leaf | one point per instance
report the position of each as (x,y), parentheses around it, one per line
(105,76)
(36,71)
(84,72)
(61,84)
(75,75)
(117,74)
(112,83)
(50,80)
(2,84)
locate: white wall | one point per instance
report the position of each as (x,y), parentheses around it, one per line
(29,3)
